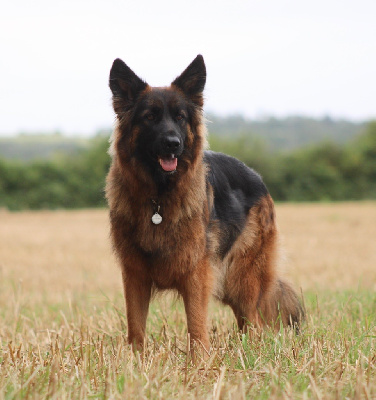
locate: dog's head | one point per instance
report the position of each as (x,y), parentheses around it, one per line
(160,128)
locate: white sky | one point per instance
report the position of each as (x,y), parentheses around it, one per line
(263,57)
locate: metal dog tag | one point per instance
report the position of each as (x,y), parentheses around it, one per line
(156,219)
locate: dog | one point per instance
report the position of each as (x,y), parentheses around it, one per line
(183,218)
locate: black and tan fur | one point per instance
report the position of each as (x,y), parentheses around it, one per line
(218,234)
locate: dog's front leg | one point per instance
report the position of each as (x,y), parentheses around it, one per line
(196,292)
(137,292)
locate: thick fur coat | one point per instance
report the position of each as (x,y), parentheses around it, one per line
(218,232)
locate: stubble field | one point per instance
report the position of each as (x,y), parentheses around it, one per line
(63,331)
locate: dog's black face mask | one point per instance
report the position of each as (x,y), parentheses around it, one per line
(160,119)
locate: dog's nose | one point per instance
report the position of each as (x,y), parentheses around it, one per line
(171,143)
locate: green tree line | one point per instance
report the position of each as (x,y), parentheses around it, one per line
(322,172)
(327,171)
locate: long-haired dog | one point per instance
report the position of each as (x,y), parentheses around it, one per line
(182,218)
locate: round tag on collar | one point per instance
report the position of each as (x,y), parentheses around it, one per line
(156,219)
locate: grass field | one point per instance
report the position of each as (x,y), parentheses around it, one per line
(63,331)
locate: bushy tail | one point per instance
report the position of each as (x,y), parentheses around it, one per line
(282,304)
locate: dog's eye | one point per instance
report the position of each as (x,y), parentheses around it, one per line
(179,117)
(150,117)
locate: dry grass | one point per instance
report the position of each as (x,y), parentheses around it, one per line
(330,246)
(62,328)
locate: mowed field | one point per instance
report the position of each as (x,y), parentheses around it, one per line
(63,329)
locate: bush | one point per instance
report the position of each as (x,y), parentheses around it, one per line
(326,171)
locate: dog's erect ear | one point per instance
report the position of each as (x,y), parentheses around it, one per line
(125,85)
(192,80)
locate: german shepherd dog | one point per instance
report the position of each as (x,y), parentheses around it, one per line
(182,218)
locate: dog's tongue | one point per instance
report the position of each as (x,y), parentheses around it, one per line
(168,163)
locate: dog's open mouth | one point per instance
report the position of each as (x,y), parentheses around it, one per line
(168,163)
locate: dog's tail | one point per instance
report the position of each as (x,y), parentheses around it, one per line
(282,305)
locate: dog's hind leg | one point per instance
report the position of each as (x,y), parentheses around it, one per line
(245,291)
(251,272)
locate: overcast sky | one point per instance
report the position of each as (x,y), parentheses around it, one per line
(263,57)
